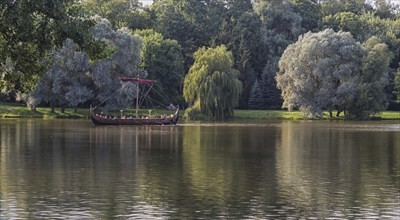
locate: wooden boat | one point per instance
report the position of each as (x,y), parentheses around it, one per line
(101,119)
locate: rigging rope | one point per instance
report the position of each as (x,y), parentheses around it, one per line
(105,100)
(159,91)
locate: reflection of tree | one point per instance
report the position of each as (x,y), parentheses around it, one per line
(335,168)
(227,169)
(183,172)
(64,168)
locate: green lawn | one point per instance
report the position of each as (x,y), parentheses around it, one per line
(21,111)
(12,110)
(297,115)
(267,114)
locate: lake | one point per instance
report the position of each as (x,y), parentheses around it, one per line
(69,169)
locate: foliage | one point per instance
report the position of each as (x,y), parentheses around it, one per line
(264,94)
(371,97)
(163,61)
(368,25)
(256,32)
(123,61)
(8,110)
(281,24)
(330,70)
(310,12)
(331,7)
(72,79)
(270,92)
(118,12)
(28,32)
(249,57)
(256,97)
(67,81)
(191,23)
(397,86)
(212,86)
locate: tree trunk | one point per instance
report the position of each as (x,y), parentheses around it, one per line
(62,109)
(330,114)
(338,113)
(76,110)
(52,108)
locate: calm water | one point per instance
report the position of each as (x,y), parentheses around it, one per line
(62,169)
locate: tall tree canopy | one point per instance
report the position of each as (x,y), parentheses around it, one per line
(124,61)
(330,70)
(67,82)
(163,61)
(73,79)
(256,32)
(212,87)
(28,32)
(397,86)
(118,12)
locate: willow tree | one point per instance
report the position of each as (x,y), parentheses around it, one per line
(212,87)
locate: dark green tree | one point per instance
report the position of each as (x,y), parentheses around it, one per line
(29,30)
(248,49)
(270,93)
(163,61)
(282,23)
(256,98)
(118,12)
(332,7)
(385,9)
(192,23)
(310,12)
(396,90)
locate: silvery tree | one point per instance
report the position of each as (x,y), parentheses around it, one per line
(123,61)
(67,82)
(330,70)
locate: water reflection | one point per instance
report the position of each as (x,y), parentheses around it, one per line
(306,169)
(325,172)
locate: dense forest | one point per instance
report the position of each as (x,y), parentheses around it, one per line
(70,53)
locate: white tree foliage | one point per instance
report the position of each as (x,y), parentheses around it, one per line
(330,70)
(123,61)
(72,79)
(67,82)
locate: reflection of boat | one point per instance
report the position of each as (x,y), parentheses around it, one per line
(101,119)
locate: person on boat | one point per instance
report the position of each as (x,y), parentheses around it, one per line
(171,107)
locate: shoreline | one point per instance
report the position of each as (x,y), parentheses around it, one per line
(21,111)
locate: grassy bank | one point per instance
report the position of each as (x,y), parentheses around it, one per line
(21,111)
(12,110)
(297,115)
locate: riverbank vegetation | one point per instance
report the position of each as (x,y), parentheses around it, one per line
(290,53)
(9,110)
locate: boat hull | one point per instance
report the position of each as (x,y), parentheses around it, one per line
(98,120)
